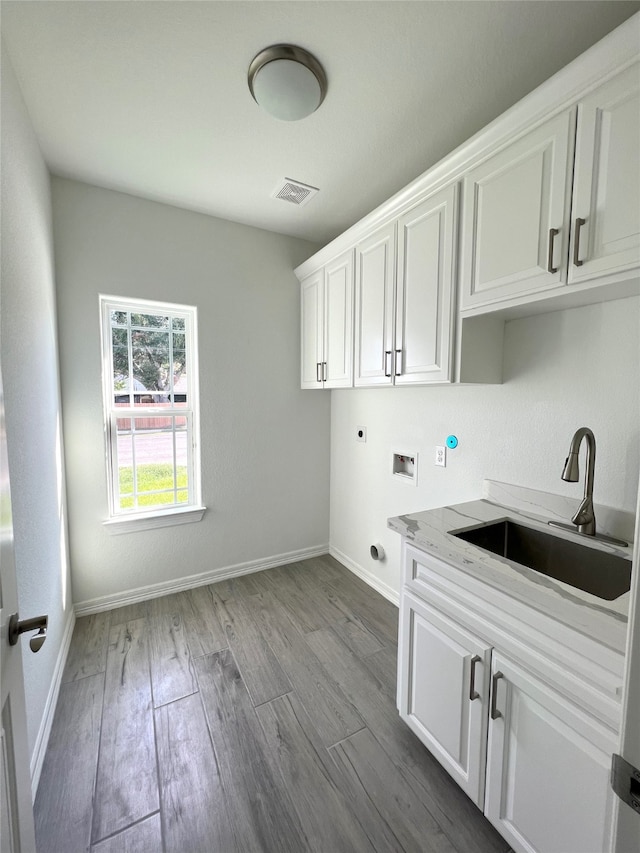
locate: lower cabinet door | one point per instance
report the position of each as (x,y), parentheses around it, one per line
(548,763)
(443,691)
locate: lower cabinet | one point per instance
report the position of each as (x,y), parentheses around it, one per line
(548,766)
(533,761)
(444,683)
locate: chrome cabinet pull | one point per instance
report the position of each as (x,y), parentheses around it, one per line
(324,371)
(318,377)
(38,623)
(398,364)
(576,242)
(552,234)
(473,693)
(387,362)
(494,695)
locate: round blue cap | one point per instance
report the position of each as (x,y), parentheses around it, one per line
(452,441)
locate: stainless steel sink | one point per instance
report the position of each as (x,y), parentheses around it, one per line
(589,569)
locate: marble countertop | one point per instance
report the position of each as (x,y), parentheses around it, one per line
(430,531)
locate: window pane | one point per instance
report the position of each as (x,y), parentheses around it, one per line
(125,467)
(150,357)
(120,351)
(177,324)
(119,317)
(147,474)
(155,321)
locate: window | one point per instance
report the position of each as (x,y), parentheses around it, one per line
(150,386)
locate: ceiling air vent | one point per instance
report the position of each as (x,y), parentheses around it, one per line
(294,192)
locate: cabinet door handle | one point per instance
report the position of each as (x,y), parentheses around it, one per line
(494,695)
(324,371)
(387,362)
(398,364)
(576,243)
(473,693)
(552,234)
(318,377)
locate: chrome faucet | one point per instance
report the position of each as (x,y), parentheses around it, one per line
(584,518)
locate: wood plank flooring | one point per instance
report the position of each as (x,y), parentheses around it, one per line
(255,715)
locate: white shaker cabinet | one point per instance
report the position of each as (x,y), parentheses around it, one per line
(405,296)
(443,691)
(541,215)
(375,308)
(606,190)
(512,712)
(515,216)
(327,326)
(548,767)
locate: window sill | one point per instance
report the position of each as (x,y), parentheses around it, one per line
(153,520)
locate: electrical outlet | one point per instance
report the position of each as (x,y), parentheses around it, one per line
(361,433)
(441,457)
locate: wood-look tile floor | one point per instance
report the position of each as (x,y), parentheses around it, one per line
(255,715)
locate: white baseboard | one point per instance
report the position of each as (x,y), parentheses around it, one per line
(37,758)
(109,602)
(368,577)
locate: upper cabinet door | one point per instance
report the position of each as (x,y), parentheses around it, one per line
(375,268)
(338,323)
(606,210)
(312,311)
(516,214)
(425,289)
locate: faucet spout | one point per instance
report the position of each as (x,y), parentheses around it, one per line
(584,517)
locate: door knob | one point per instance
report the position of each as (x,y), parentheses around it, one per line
(38,623)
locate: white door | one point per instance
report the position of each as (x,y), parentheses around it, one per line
(375,271)
(606,213)
(425,289)
(338,322)
(444,691)
(516,216)
(312,330)
(16,826)
(548,762)
(626,835)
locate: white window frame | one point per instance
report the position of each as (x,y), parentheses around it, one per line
(126,520)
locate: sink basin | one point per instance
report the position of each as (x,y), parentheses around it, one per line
(589,569)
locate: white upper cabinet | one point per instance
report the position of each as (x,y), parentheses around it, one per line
(375,302)
(539,215)
(327,326)
(338,323)
(540,211)
(606,195)
(425,290)
(404,298)
(515,216)
(312,332)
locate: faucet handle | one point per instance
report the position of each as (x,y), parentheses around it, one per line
(585,517)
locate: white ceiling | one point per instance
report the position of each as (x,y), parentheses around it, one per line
(151,98)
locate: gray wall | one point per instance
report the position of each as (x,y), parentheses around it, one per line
(31,385)
(265,443)
(579,367)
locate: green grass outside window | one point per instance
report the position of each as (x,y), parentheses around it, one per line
(152,478)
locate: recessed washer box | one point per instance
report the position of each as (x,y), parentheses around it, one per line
(405,467)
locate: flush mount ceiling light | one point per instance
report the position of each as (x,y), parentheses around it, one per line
(287,81)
